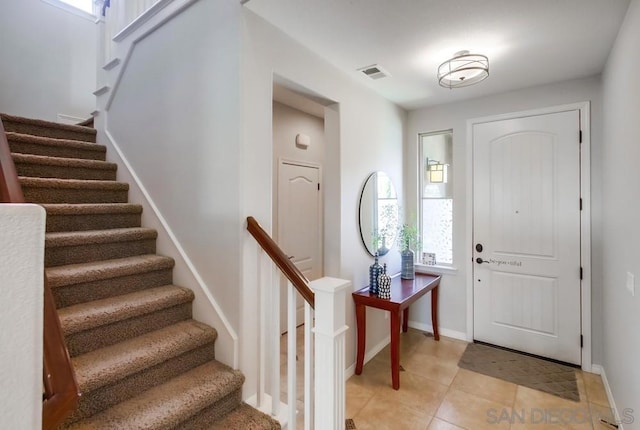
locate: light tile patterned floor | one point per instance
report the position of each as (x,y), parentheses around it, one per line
(435,394)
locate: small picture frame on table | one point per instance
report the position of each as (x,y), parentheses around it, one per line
(429,258)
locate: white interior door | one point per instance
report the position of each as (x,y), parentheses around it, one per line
(526,229)
(299,225)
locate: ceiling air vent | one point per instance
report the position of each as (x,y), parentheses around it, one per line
(374,72)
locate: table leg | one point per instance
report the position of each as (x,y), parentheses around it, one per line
(434,313)
(405,320)
(395,350)
(361,322)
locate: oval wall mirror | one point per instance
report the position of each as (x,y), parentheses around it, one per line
(378,213)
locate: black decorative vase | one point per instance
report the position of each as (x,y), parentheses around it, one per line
(374,271)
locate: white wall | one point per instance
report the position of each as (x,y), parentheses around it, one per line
(49,61)
(453,293)
(621,202)
(363,133)
(22,250)
(175,118)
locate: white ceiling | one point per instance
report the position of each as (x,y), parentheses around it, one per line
(528,42)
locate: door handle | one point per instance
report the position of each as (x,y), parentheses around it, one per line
(480,261)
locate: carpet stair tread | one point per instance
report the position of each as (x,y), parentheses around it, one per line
(108,365)
(73,247)
(63,217)
(72,238)
(91,208)
(99,323)
(245,417)
(54,190)
(35,126)
(97,270)
(97,313)
(26,181)
(55,147)
(167,405)
(62,161)
(43,166)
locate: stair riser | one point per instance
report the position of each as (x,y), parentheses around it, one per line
(85,253)
(85,222)
(102,398)
(55,150)
(44,131)
(73,195)
(204,419)
(62,172)
(89,340)
(101,289)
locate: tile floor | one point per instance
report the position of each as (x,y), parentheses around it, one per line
(437,395)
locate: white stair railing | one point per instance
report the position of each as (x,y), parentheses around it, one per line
(118,15)
(324,332)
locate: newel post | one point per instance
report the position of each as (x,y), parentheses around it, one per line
(329,330)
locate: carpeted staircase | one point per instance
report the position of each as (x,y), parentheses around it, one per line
(141,361)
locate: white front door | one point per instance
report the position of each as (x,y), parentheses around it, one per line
(299,224)
(526,229)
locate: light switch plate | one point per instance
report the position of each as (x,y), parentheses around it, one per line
(631,283)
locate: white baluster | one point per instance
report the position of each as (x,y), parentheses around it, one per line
(308,367)
(291,355)
(277,280)
(261,262)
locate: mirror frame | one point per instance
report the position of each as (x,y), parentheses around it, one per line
(371,179)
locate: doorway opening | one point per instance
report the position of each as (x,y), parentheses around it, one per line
(529,275)
(305,136)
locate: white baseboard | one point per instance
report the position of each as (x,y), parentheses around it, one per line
(227,337)
(442,330)
(69,119)
(351,370)
(599,370)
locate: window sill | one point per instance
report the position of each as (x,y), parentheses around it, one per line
(440,270)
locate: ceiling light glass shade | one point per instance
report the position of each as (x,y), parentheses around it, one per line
(463,69)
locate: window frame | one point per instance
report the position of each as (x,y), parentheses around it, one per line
(61,4)
(444,268)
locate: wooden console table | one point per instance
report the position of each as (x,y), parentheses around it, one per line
(403,293)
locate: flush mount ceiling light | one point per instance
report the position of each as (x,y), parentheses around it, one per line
(463,69)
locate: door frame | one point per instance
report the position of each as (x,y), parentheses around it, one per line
(585,215)
(276,204)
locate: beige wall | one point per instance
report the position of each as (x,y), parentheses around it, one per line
(48,62)
(621,232)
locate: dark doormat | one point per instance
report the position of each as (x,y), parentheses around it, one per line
(349,424)
(522,369)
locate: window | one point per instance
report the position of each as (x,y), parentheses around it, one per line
(83,8)
(85,5)
(436,197)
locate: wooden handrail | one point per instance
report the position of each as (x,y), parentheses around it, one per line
(293,274)
(60,389)
(10,191)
